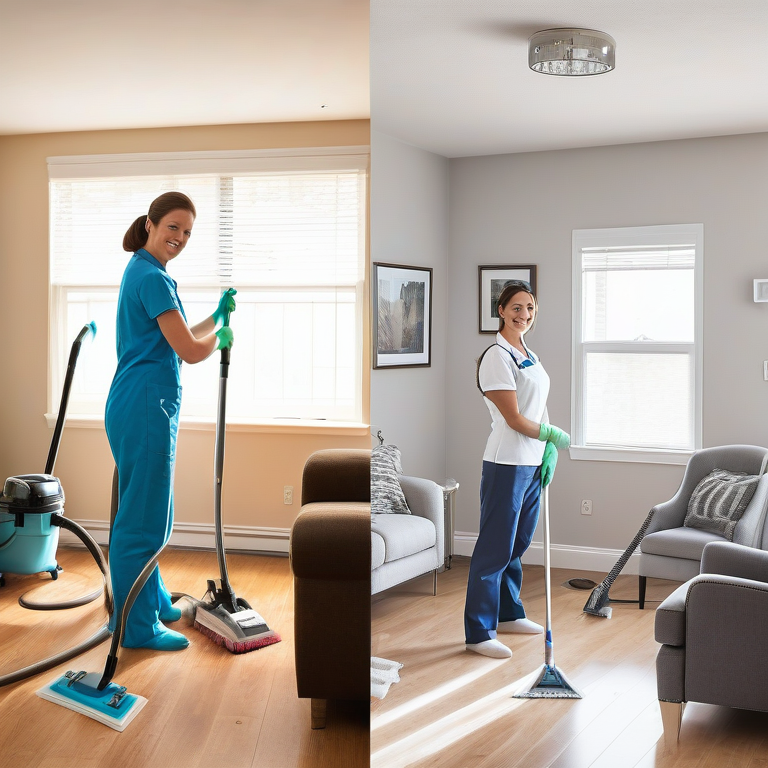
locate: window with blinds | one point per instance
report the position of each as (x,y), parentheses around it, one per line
(637,341)
(286,230)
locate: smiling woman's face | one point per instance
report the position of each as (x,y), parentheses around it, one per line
(519,312)
(168,237)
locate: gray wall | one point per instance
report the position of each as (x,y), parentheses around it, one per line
(522,209)
(409,225)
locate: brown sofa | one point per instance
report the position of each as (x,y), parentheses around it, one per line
(331,560)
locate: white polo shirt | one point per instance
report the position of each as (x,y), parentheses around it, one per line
(501,369)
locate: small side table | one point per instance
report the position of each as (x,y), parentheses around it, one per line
(449,510)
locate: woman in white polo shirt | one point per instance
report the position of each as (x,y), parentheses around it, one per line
(519,459)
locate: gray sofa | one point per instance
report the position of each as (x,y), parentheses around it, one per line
(714,632)
(406,546)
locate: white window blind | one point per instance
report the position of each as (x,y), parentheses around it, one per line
(286,230)
(636,348)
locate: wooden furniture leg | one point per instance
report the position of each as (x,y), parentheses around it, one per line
(318,713)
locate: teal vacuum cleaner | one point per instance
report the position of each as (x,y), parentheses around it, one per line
(31,504)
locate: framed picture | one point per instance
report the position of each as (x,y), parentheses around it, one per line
(402,316)
(493,278)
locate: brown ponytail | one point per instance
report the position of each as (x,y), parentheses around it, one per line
(137,235)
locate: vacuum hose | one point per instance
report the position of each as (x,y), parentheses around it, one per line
(96,639)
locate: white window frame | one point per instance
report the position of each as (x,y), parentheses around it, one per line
(634,236)
(221,162)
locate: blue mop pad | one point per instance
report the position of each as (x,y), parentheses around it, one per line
(77,691)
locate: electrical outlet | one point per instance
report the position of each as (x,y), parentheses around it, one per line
(765,370)
(586,506)
(287,494)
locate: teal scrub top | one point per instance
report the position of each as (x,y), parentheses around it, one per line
(143,354)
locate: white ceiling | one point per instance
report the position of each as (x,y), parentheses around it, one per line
(452,76)
(70,65)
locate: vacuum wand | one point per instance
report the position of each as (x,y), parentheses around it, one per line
(59,428)
(225,594)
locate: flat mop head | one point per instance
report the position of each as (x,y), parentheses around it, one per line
(78,691)
(549,683)
(238,632)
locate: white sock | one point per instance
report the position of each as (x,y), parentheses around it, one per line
(520,626)
(492,648)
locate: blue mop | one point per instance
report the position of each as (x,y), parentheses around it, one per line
(78,691)
(549,682)
(93,694)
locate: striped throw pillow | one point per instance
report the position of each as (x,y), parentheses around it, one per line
(387,496)
(719,500)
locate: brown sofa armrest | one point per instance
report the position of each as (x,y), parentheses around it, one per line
(332,540)
(337,474)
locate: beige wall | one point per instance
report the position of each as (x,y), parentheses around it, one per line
(258,464)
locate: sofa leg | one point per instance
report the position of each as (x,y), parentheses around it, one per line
(434,583)
(318,709)
(641,580)
(671,718)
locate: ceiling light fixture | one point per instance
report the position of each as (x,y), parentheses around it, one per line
(571,52)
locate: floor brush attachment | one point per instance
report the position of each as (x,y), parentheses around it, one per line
(597,604)
(238,632)
(78,691)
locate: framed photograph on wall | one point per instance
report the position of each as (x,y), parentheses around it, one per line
(492,279)
(402,316)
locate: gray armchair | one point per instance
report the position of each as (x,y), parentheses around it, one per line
(671,551)
(406,546)
(714,631)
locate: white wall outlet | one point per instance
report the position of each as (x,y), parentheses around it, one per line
(287,494)
(765,370)
(586,506)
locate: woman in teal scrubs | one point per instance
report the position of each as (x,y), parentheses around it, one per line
(142,412)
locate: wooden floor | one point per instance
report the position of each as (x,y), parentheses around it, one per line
(453,708)
(207,708)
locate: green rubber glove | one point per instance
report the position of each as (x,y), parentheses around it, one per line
(226,305)
(553,434)
(548,464)
(225,337)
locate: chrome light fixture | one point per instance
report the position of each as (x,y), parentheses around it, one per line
(571,52)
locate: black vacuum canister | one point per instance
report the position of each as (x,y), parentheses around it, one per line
(32,494)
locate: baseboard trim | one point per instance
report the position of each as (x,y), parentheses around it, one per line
(200,536)
(563,555)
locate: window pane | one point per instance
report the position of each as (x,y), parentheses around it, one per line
(638,400)
(626,305)
(291,358)
(297,229)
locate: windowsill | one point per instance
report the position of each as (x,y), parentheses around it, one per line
(264,426)
(639,455)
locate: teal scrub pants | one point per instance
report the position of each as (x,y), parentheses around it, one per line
(142,424)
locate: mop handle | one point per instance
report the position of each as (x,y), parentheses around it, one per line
(549,654)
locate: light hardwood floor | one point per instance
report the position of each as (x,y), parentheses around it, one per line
(206,708)
(453,708)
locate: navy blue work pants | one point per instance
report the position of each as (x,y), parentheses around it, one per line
(509,510)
